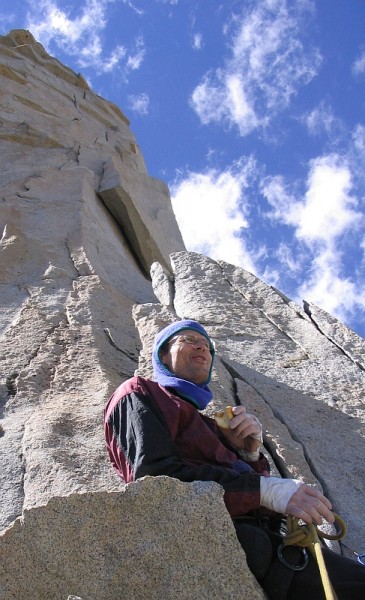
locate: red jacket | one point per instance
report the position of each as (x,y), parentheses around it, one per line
(150,430)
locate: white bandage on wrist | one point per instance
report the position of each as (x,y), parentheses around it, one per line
(276,492)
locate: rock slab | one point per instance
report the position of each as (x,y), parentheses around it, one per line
(153,540)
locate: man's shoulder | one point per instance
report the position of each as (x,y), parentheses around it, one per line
(136,384)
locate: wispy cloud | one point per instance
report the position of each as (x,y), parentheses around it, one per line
(359,138)
(136,57)
(197,41)
(321,120)
(286,257)
(268,64)
(358,67)
(139,103)
(82,36)
(130,4)
(6,19)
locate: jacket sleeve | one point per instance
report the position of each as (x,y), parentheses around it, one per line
(140,432)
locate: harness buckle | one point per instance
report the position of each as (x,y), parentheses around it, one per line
(291,566)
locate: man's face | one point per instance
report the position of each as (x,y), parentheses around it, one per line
(186,360)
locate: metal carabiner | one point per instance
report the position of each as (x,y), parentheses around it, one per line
(283,560)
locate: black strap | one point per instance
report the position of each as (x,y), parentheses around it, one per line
(261,540)
(278,580)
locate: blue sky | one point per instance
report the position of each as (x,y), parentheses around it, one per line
(253,112)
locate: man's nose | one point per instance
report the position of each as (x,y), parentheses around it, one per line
(201,344)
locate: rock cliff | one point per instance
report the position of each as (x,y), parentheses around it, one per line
(92,265)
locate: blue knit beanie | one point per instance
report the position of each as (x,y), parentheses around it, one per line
(198,394)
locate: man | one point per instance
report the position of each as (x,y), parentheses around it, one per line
(155,428)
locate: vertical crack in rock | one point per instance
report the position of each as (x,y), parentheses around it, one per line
(123,224)
(270,319)
(287,435)
(270,447)
(148,225)
(308,311)
(79,260)
(23,469)
(163,284)
(74,100)
(72,155)
(129,355)
(137,241)
(11,383)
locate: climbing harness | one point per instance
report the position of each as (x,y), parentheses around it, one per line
(308,536)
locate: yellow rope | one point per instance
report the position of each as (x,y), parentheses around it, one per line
(307,536)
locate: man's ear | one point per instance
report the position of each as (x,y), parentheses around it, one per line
(165,358)
(162,355)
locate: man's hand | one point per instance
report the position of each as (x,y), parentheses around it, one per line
(308,504)
(244,430)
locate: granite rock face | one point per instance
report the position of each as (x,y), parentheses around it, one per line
(92,265)
(71,268)
(168,554)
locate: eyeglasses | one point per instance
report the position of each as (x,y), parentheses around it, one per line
(190,338)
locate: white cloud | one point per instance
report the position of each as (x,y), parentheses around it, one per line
(238,102)
(130,4)
(359,65)
(114,58)
(268,64)
(48,21)
(325,220)
(135,60)
(362,246)
(197,41)
(292,262)
(215,109)
(6,19)
(271,275)
(321,120)
(280,199)
(139,103)
(328,208)
(322,227)
(82,35)
(359,140)
(325,287)
(210,209)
